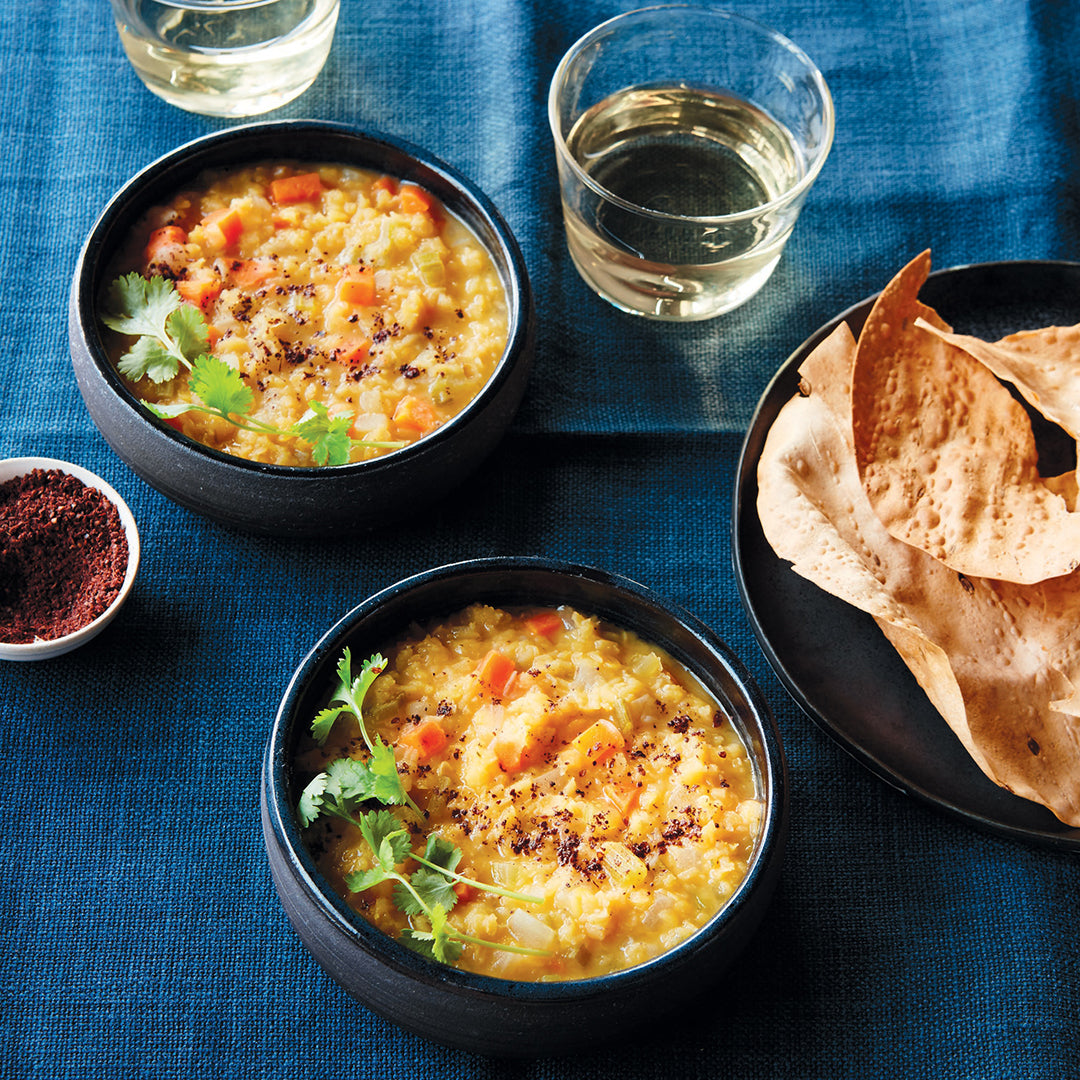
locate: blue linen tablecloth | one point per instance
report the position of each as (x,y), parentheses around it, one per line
(142,936)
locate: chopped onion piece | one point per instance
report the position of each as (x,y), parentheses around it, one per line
(529,931)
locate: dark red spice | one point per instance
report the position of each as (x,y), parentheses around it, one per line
(63,555)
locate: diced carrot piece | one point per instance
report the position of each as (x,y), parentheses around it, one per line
(305,187)
(199,288)
(213,335)
(414,200)
(599,741)
(426,738)
(544,623)
(251,273)
(464,891)
(223,227)
(357,286)
(624,797)
(416,415)
(495,671)
(168,236)
(354,351)
(385,183)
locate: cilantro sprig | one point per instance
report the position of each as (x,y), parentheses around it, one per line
(377,777)
(347,789)
(170,335)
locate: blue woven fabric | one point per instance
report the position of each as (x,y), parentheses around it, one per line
(142,936)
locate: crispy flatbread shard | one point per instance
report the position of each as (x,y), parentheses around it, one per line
(945,452)
(1044,365)
(1000,662)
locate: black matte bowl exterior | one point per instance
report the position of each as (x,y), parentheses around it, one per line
(282,500)
(479,1013)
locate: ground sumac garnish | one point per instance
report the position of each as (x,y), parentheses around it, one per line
(63,555)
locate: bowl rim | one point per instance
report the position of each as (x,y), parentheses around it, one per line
(199,154)
(769,760)
(42,649)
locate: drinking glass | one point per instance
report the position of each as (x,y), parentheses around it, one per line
(687,139)
(227,57)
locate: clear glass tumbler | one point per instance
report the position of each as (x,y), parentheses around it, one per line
(687,139)
(227,57)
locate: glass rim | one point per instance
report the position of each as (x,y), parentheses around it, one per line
(213,5)
(605,28)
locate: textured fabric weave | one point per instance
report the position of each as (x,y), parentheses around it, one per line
(143,938)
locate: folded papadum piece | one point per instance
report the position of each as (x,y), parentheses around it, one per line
(945,452)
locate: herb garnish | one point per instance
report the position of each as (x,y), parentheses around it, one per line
(171,334)
(342,791)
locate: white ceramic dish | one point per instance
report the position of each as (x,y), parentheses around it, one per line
(41,649)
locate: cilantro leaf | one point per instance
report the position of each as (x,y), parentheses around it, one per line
(365,879)
(388,786)
(136,306)
(167,412)
(372,668)
(434,881)
(220,386)
(431,888)
(311,800)
(443,944)
(148,358)
(381,780)
(419,941)
(328,435)
(352,781)
(348,783)
(324,721)
(349,695)
(441,853)
(388,839)
(439,943)
(186,325)
(390,844)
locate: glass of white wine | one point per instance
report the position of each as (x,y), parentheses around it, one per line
(687,139)
(227,57)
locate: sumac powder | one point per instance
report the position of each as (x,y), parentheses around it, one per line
(63,555)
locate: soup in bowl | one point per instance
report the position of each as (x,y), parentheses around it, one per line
(524,795)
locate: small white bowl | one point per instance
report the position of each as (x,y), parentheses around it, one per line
(40,649)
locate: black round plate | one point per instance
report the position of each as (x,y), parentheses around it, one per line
(831,657)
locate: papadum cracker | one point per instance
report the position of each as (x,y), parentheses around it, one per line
(946,453)
(1044,365)
(999,660)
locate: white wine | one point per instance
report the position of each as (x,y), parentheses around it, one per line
(669,161)
(227,57)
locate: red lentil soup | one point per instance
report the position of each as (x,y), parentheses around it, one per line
(568,760)
(330,284)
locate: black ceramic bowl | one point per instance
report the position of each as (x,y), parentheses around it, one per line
(282,500)
(480,1013)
